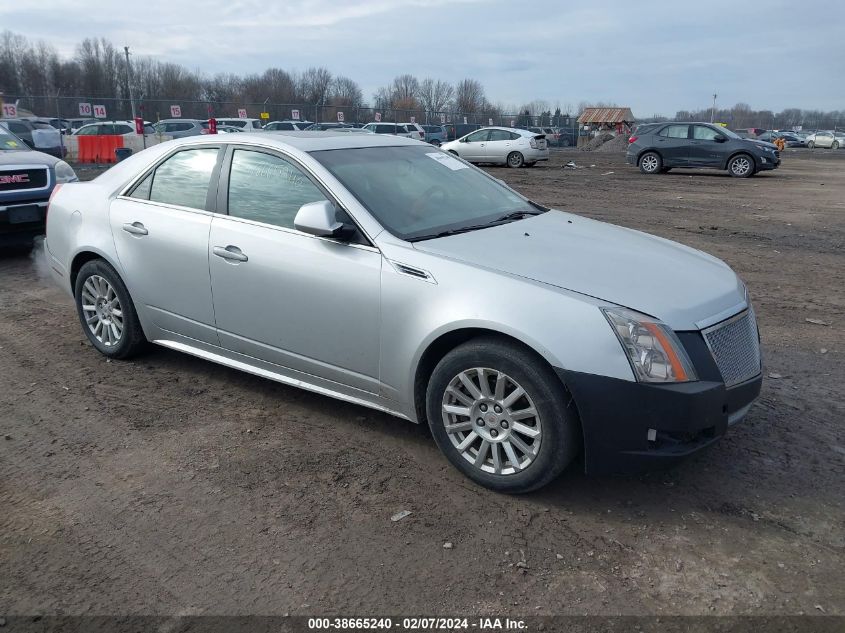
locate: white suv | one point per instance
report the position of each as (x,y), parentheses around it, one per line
(247,125)
(408,130)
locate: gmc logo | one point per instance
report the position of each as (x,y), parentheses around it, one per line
(11,179)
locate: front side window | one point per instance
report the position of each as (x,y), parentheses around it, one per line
(417,192)
(704,133)
(183,178)
(675,131)
(267,188)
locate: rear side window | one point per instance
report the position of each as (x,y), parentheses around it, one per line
(703,133)
(122,129)
(256,125)
(385,129)
(675,131)
(267,188)
(500,135)
(183,178)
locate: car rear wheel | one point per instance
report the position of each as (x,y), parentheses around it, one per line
(435,142)
(651,163)
(501,416)
(516,160)
(106,311)
(741,166)
(811,144)
(835,145)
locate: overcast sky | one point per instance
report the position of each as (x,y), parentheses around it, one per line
(656,57)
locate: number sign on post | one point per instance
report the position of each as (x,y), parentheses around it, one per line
(10,110)
(294,114)
(340,116)
(176,111)
(85,109)
(99,111)
(378,117)
(241,113)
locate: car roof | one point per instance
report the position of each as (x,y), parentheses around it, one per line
(178,121)
(308,141)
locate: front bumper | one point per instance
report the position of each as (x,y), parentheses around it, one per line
(632,427)
(768,162)
(21,222)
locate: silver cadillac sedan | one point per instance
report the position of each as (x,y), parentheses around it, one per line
(388,273)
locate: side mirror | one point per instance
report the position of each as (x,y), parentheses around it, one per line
(320,219)
(720,139)
(463,140)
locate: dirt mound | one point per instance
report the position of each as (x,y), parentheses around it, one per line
(618,143)
(596,142)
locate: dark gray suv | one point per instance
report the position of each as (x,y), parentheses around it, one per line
(673,144)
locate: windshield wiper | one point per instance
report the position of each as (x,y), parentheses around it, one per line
(508,217)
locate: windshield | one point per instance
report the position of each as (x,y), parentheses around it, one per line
(418,192)
(9,141)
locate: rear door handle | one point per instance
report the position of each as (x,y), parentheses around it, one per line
(232,253)
(136,228)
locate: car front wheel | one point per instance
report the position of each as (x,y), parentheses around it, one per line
(835,145)
(651,163)
(811,145)
(515,160)
(741,166)
(501,416)
(106,311)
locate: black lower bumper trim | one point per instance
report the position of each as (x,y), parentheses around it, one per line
(631,427)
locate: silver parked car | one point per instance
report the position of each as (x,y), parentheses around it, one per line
(827,139)
(385,272)
(501,146)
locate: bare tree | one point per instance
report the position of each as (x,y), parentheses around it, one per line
(346,92)
(469,96)
(314,85)
(435,95)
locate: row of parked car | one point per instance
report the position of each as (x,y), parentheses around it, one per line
(829,139)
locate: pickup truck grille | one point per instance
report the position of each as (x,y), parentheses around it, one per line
(735,345)
(23,178)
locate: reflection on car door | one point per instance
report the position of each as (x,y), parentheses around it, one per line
(499,145)
(475,147)
(305,303)
(673,144)
(160,232)
(704,150)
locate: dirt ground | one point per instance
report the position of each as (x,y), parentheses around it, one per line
(170,485)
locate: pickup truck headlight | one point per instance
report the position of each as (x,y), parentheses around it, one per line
(655,353)
(65,173)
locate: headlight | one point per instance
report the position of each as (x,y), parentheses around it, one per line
(64,172)
(655,353)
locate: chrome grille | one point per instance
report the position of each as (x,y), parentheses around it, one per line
(735,345)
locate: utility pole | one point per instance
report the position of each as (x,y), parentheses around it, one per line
(713,109)
(129,81)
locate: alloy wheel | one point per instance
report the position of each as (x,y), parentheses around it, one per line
(650,163)
(102,310)
(741,166)
(491,421)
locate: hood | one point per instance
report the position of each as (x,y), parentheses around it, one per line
(680,285)
(25,157)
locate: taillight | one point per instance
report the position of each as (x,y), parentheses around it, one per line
(633,139)
(533,143)
(50,199)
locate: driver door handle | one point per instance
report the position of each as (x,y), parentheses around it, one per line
(232,253)
(136,228)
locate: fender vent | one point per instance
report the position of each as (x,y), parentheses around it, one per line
(419,273)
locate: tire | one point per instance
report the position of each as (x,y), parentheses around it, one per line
(811,145)
(435,142)
(651,163)
(835,145)
(741,166)
(551,437)
(565,143)
(515,160)
(114,328)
